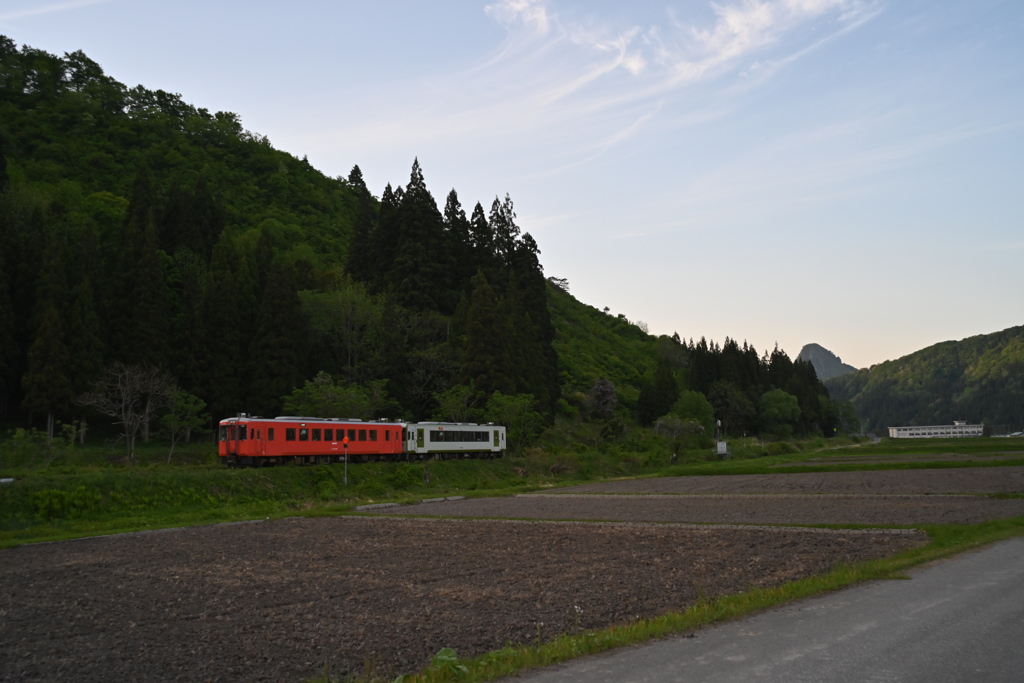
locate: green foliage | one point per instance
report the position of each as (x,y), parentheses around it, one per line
(51,504)
(693,405)
(517,413)
(978,379)
(734,408)
(779,410)
(592,345)
(184,416)
(446,661)
(325,397)
(458,404)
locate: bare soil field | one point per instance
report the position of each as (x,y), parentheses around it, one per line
(732,508)
(935,481)
(288,599)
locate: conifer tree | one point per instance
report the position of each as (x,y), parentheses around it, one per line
(209,218)
(230,313)
(47,386)
(85,345)
(486,358)
(84,327)
(533,296)
(780,369)
(418,278)
(658,395)
(176,229)
(277,348)
(187,354)
(502,221)
(481,237)
(142,326)
(460,264)
(145,309)
(380,254)
(5,179)
(9,351)
(359,262)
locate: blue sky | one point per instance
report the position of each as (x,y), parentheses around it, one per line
(846,172)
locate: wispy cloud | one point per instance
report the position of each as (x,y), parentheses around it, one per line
(592,85)
(12,15)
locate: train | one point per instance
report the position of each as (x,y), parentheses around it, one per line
(253,441)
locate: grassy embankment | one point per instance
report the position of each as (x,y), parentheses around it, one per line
(90,491)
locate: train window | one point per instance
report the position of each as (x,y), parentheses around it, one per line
(231,433)
(270,434)
(328,435)
(303,434)
(223,433)
(289,434)
(241,432)
(362,435)
(258,432)
(316,435)
(387,435)
(373,435)
(351,435)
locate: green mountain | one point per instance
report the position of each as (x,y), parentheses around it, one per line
(978,379)
(826,363)
(140,230)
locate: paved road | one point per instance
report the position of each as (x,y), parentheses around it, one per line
(959,620)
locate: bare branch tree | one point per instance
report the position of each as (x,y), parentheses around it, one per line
(129,393)
(675,429)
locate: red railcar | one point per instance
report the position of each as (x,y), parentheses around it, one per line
(246,440)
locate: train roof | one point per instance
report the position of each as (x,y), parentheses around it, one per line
(352,420)
(310,418)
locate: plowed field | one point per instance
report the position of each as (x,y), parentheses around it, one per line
(289,599)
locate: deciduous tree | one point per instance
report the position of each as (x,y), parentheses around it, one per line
(128,393)
(185,415)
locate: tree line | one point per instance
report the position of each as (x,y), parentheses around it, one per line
(141,234)
(746,392)
(140,230)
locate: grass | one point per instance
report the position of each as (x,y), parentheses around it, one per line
(91,491)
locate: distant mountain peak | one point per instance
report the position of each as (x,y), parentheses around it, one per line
(826,364)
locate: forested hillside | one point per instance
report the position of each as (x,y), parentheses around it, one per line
(139,229)
(140,233)
(978,379)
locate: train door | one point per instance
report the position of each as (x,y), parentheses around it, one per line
(419,439)
(232,440)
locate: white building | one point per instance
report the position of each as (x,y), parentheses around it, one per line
(957,429)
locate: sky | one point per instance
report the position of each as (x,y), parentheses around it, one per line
(843,172)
